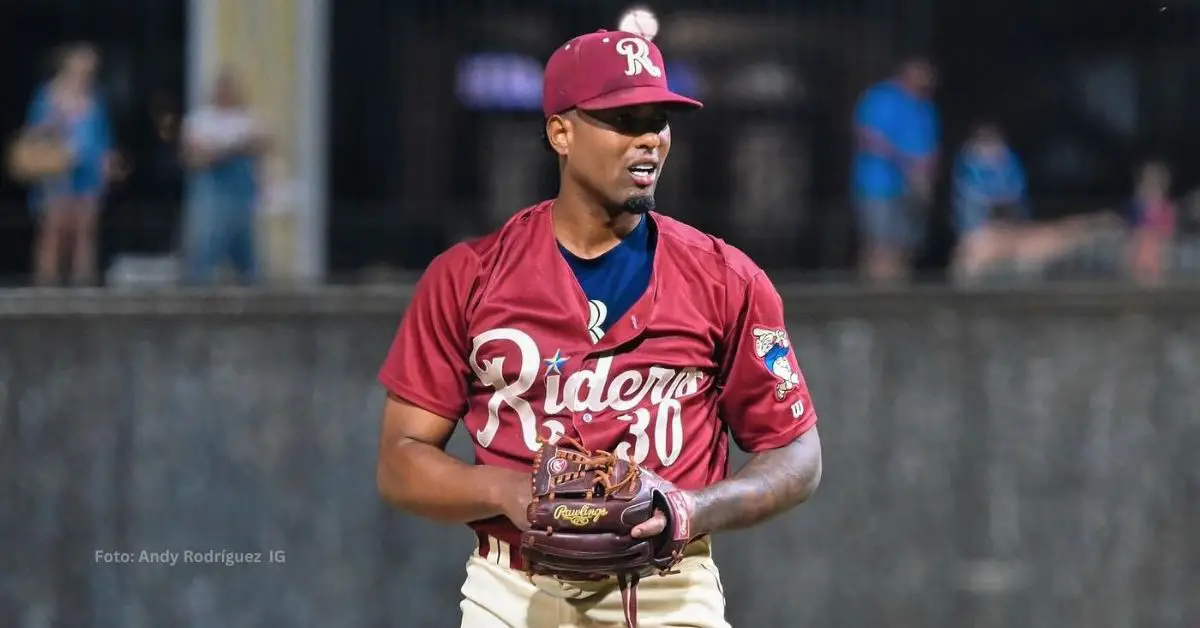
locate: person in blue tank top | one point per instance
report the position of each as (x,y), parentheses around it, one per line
(222,145)
(69,109)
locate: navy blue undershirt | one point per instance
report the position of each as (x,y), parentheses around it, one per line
(614,281)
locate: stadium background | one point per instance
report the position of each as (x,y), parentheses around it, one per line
(1014,455)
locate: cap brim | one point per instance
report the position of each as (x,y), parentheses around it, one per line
(641,95)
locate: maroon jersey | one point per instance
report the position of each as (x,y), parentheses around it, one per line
(497,335)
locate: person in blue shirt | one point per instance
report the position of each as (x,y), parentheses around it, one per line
(897,134)
(992,216)
(223,143)
(989,183)
(990,204)
(69,109)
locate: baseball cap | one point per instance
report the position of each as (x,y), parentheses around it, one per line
(606,70)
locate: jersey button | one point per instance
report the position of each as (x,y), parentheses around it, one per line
(587,418)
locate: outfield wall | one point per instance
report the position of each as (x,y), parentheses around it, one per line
(1020,458)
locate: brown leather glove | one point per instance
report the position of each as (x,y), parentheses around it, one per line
(585,506)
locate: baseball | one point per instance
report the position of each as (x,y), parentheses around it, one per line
(639,21)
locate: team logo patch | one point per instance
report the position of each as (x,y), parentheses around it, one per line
(773,347)
(558,465)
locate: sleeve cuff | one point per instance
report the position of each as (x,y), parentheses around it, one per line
(419,398)
(783,438)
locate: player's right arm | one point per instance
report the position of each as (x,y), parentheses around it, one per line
(416,474)
(425,374)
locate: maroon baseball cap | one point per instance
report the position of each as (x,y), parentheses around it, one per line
(606,70)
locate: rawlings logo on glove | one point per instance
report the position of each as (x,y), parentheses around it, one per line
(584,509)
(581,516)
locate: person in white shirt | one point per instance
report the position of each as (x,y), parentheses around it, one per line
(223,144)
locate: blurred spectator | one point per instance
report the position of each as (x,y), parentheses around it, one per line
(992,216)
(897,132)
(222,146)
(68,112)
(163,171)
(989,203)
(1152,218)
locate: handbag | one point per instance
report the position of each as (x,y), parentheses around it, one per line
(37,154)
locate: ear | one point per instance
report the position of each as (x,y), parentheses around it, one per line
(559,131)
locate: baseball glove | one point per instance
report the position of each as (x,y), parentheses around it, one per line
(585,506)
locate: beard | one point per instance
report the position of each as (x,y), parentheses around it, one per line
(639,204)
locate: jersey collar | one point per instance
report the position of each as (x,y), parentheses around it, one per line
(561,280)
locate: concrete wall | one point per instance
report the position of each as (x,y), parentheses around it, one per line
(1015,459)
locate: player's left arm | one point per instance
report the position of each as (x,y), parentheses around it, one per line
(770,483)
(766,404)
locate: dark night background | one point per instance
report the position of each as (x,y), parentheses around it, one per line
(1085,90)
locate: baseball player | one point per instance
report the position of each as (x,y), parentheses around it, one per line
(593,317)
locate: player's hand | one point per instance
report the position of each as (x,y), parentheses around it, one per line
(681,509)
(653,527)
(512,493)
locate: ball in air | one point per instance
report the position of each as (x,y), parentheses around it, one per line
(639,21)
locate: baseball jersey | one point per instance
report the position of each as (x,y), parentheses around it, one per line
(496,336)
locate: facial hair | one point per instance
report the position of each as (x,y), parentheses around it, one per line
(638,205)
